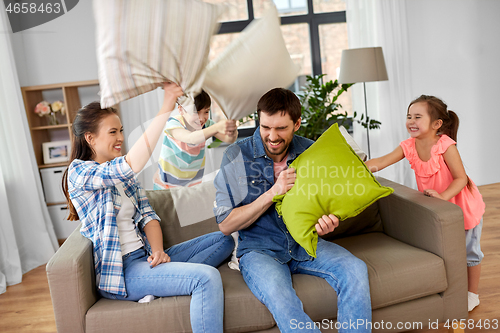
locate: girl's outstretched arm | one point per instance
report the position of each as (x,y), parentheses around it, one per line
(379,163)
(454,162)
(141,151)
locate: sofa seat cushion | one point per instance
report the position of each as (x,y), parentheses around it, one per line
(398,272)
(161,315)
(243,312)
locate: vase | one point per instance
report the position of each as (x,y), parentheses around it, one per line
(52,118)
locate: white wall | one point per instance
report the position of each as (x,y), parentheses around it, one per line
(455,52)
(62,50)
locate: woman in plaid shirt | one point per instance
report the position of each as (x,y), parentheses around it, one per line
(130,262)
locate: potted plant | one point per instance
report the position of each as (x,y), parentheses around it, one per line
(320,109)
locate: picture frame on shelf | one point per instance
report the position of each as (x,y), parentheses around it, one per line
(56,151)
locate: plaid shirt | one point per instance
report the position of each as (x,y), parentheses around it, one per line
(93,193)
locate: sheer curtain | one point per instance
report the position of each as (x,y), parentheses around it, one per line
(383,23)
(27,238)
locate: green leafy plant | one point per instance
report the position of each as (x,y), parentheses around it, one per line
(320,108)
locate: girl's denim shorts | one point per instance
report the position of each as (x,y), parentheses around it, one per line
(473,246)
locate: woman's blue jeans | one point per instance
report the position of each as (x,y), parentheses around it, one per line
(190,272)
(271,282)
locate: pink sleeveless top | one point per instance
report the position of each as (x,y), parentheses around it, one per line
(434,174)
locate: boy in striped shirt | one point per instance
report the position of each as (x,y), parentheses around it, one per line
(182,156)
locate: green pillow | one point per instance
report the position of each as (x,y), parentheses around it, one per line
(331,179)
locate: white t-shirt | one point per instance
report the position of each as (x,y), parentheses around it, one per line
(129,240)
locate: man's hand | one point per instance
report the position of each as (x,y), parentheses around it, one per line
(326,224)
(158,257)
(285,182)
(227,127)
(433,193)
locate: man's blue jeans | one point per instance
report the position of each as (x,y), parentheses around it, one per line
(271,283)
(190,272)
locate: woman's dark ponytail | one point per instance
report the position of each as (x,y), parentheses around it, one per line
(87,120)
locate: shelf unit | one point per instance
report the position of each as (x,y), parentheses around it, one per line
(73,95)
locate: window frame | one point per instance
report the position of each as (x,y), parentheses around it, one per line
(314,20)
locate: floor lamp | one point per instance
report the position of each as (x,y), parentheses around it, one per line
(363,65)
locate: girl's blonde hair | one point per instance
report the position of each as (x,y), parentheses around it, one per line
(438,109)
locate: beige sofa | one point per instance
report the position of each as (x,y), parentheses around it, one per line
(414,247)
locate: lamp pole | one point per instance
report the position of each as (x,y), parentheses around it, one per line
(368,124)
(364,64)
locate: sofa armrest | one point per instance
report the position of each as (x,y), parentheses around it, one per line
(433,225)
(71,277)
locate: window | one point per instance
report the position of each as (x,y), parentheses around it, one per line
(315,34)
(285,7)
(294,6)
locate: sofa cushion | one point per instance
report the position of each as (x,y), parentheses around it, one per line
(331,179)
(367,221)
(165,314)
(243,312)
(354,145)
(398,272)
(173,206)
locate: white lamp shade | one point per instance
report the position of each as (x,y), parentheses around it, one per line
(362,65)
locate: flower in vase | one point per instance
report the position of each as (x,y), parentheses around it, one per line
(42,109)
(57,106)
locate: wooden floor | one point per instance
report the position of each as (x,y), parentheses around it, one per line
(27,307)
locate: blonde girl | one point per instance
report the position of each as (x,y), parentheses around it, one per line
(433,155)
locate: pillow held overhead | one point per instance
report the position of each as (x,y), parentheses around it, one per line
(331,179)
(251,65)
(141,44)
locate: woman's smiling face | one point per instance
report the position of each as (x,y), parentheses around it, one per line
(107,142)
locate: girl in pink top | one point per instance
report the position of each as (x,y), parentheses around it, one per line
(433,155)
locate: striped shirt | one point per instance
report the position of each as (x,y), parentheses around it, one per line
(92,191)
(180,163)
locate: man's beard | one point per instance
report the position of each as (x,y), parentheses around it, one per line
(281,151)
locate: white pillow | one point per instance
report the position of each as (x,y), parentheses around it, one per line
(353,144)
(250,66)
(141,44)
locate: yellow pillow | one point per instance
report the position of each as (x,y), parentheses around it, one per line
(331,179)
